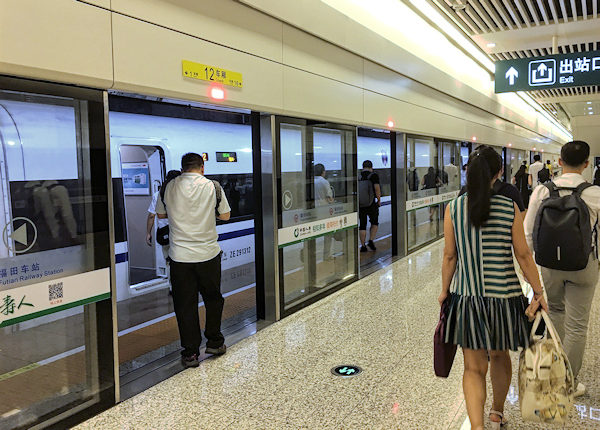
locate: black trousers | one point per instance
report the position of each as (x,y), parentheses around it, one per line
(189,279)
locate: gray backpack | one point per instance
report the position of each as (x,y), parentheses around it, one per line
(562,234)
(366,192)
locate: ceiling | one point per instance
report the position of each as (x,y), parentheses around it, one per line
(530,28)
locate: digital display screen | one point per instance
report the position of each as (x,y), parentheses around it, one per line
(226,157)
(205,156)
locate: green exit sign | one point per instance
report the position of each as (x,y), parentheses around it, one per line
(551,71)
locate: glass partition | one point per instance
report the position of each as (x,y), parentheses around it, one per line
(55,313)
(374,146)
(317,210)
(423,180)
(450,175)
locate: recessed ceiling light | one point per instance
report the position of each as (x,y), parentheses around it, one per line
(491,45)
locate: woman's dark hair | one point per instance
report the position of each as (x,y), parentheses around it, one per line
(171,174)
(484,164)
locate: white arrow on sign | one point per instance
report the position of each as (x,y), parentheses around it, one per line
(20,235)
(511,74)
(542,68)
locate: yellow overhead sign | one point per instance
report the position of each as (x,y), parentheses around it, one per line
(211,74)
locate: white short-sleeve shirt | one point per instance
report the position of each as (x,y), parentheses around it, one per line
(152,209)
(534,169)
(191,200)
(323,191)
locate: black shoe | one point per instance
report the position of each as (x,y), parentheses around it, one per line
(371,245)
(190,361)
(217,351)
(363,249)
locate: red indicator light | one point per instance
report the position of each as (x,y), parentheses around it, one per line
(391,124)
(217,93)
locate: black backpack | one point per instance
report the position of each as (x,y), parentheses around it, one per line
(562,235)
(366,191)
(543,175)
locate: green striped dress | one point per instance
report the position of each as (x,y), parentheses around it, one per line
(486,307)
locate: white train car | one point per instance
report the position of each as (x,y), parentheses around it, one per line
(148,139)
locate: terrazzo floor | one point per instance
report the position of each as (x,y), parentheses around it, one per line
(280,378)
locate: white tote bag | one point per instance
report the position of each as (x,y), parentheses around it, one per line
(546,383)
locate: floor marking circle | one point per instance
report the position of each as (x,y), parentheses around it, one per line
(346,370)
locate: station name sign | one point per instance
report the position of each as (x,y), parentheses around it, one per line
(551,71)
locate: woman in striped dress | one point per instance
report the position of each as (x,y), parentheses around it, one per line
(486,306)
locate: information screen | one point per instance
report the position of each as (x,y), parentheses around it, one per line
(226,157)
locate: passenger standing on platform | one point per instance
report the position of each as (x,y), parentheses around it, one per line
(486,306)
(193,206)
(521,182)
(534,170)
(570,293)
(323,197)
(549,167)
(369,190)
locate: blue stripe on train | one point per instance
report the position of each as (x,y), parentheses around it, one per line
(122,258)
(236,233)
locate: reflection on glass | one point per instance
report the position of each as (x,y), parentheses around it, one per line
(47,213)
(423,180)
(450,159)
(317,184)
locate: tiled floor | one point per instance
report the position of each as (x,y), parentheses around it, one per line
(280,378)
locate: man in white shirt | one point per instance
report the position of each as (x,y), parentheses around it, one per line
(323,197)
(534,169)
(570,293)
(191,201)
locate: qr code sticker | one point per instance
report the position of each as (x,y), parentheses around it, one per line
(55,291)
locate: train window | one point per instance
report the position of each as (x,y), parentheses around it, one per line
(54,254)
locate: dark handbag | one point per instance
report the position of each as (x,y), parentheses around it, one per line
(162,235)
(443,353)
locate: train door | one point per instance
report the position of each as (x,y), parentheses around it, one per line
(142,168)
(148,139)
(374,146)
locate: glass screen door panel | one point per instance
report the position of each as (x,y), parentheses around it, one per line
(55,313)
(318,219)
(449,168)
(423,181)
(375,146)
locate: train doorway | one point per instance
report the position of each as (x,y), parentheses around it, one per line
(374,147)
(148,139)
(143,170)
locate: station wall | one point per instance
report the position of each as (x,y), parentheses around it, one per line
(139,46)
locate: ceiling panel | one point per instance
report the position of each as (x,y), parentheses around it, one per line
(525,29)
